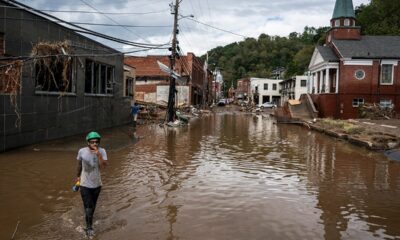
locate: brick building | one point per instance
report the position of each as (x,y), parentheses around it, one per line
(353,69)
(149,76)
(243,89)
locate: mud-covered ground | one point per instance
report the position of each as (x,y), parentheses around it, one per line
(376,135)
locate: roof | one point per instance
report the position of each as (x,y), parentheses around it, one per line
(343,8)
(384,47)
(327,54)
(147,66)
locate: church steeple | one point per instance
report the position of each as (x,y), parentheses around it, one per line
(343,22)
(343,8)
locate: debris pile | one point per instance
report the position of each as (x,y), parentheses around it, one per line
(10,83)
(375,111)
(10,75)
(353,132)
(341,126)
(52,61)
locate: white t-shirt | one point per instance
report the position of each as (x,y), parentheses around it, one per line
(90,176)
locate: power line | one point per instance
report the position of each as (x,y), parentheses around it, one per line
(79,11)
(105,15)
(121,25)
(220,29)
(85,30)
(143,45)
(91,24)
(29,58)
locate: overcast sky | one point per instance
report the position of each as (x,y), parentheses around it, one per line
(245,18)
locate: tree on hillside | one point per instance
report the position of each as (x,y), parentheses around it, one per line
(380,17)
(258,57)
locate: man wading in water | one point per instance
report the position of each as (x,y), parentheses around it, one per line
(90,160)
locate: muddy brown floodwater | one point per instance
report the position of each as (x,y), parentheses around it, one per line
(225,176)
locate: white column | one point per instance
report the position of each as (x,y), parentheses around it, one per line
(311,83)
(337,80)
(327,84)
(321,80)
(315,82)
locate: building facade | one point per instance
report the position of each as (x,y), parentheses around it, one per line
(352,69)
(243,89)
(129,82)
(265,90)
(149,76)
(77,88)
(292,88)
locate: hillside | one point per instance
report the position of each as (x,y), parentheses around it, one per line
(259,57)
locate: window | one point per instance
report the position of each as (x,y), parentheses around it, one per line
(99,78)
(274,86)
(358,101)
(129,87)
(347,22)
(55,74)
(337,22)
(303,83)
(265,86)
(387,74)
(2,44)
(10,77)
(386,103)
(359,74)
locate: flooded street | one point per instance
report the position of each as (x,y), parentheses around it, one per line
(225,176)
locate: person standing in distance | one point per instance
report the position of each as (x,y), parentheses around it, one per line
(135,111)
(90,160)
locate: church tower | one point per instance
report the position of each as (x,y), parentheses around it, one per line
(343,23)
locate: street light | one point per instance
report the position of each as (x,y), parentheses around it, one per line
(187,16)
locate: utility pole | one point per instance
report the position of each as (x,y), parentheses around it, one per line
(205,81)
(172,88)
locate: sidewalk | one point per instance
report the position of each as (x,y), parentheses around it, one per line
(372,134)
(390,126)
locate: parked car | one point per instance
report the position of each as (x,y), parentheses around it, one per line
(268,105)
(222,102)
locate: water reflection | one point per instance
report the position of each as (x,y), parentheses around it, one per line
(227,176)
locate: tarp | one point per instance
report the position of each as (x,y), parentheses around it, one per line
(294,102)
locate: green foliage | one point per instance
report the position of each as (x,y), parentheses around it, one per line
(380,17)
(259,57)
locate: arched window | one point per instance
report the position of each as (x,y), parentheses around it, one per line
(347,22)
(337,22)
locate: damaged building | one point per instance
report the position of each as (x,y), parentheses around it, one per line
(54,81)
(152,84)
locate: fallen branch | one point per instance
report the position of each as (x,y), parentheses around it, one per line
(15,231)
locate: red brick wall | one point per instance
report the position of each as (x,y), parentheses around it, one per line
(346,109)
(197,70)
(368,88)
(147,88)
(326,105)
(348,83)
(346,33)
(243,85)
